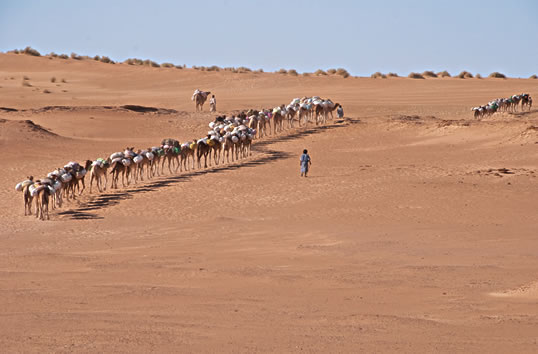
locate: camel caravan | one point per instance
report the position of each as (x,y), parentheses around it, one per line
(510,104)
(228,138)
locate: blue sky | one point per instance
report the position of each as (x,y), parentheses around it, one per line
(361,36)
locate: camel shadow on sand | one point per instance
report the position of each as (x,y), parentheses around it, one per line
(87,208)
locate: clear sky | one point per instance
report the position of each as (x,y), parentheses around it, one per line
(306,35)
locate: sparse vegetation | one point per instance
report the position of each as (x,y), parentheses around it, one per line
(478,76)
(75,56)
(533,76)
(415,76)
(179,66)
(31,51)
(210,68)
(293,72)
(320,72)
(243,70)
(306,74)
(331,71)
(429,73)
(392,75)
(53,55)
(342,72)
(97,58)
(167,65)
(282,71)
(259,71)
(378,75)
(53,79)
(465,75)
(497,75)
(63,56)
(106,60)
(444,74)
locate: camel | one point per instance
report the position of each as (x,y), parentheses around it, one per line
(318,112)
(187,150)
(304,113)
(329,110)
(97,173)
(203,149)
(228,146)
(117,168)
(145,163)
(79,172)
(290,115)
(216,147)
(278,119)
(27,195)
(526,100)
(199,98)
(42,199)
(245,147)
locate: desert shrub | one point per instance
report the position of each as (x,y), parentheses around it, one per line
(331,71)
(306,74)
(444,74)
(97,58)
(31,51)
(53,55)
(293,72)
(465,75)
(167,65)
(319,72)
(259,71)
(533,76)
(415,76)
(282,71)
(378,75)
(202,68)
(497,75)
(14,51)
(85,57)
(478,76)
(179,66)
(150,63)
(243,69)
(53,79)
(392,75)
(429,73)
(342,72)
(75,56)
(46,91)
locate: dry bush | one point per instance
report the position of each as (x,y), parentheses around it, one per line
(107,60)
(14,51)
(444,74)
(167,65)
(202,68)
(429,73)
(465,75)
(378,75)
(319,72)
(63,56)
(46,91)
(75,56)
(306,74)
(259,71)
(331,71)
(97,58)
(85,57)
(243,69)
(415,76)
(31,51)
(282,71)
(497,75)
(533,76)
(53,79)
(213,68)
(293,72)
(150,63)
(53,55)
(392,75)
(180,66)
(478,76)
(342,72)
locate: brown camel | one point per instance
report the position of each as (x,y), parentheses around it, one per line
(329,110)
(27,195)
(203,149)
(199,99)
(118,168)
(188,150)
(42,199)
(97,173)
(290,115)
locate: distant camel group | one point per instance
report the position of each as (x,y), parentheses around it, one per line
(228,138)
(510,104)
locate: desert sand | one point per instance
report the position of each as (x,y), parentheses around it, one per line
(416,231)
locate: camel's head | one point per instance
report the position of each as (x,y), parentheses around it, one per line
(31,178)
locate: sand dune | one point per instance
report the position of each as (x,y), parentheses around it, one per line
(414,215)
